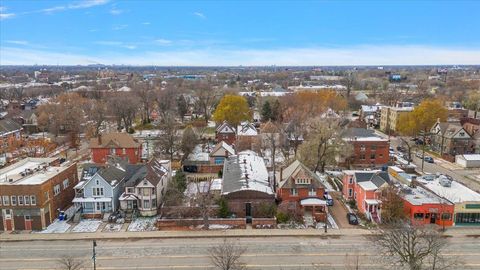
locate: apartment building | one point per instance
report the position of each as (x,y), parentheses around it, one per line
(33,191)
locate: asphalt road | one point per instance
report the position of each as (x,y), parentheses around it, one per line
(464,176)
(261,253)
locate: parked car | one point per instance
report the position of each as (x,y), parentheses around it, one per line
(419,154)
(352,219)
(429,177)
(401,149)
(428,159)
(328,198)
(407,158)
(419,142)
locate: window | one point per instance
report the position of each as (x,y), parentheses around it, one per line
(33,200)
(124,151)
(372,156)
(362,147)
(56,190)
(302,181)
(146,204)
(312,192)
(20,200)
(350,192)
(154,203)
(112,151)
(350,180)
(14,200)
(294,192)
(446,216)
(418,215)
(380,155)
(145,192)
(66,183)
(219,160)
(97,191)
(46,195)
(373,147)
(130,190)
(27,200)
(6,200)
(362,156)
(27,217)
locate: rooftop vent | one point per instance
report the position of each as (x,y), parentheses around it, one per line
(445,182)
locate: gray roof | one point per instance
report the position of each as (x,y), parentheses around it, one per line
(8,125)
(292,170)
(245,171)
(112,173)
(360,132)
(377,178)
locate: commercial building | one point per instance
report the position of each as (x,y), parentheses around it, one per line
(33,191)
(466,201)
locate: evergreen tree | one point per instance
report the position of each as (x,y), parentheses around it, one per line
(266,111)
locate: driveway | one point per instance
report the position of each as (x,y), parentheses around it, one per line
(339,212)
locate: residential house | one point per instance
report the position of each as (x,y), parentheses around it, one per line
(115,145)
(29,121)
(246,185)
(450,139)
(207,160)
(247,136)
(33,191)
(364,188)
(390,117)
(299,184)
(423,207)
(10,135)
(145,188)
(466,201)
(98,194)
(472,127)
(226,132)
(369,149)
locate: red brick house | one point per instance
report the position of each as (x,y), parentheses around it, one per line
(369,149)
(226,132)
(297,182)
(115,144)
(33,191)
(10,135)
(364,188)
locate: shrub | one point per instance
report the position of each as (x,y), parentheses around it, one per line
(223,208)
(267,210)
(282,217)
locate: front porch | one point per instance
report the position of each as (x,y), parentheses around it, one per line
(94,206)
(317,207)
(372,210)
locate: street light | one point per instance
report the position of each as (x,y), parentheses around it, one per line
(94,255)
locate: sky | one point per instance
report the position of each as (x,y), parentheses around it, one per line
(232,33)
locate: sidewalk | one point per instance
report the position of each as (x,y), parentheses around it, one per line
(456,231)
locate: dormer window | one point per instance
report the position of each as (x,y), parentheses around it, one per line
(302,181)
(145,183)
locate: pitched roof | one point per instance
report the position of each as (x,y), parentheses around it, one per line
(225,128)
(449,130)
(247,129)
(8,125)
(225,146)
(245,171)
(378,178)
(153,172)
(292,170)
(114,140)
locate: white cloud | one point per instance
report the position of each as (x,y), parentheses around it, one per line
(119,44)
(358,55)
(200,15)
(115,11)
(4,16)
(119,27)
(146,23)
(162,41)
(17,42)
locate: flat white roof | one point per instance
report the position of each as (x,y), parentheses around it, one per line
(456,193)
(313,201)
(367,185)
(419,196)
(471,156)
(30,171)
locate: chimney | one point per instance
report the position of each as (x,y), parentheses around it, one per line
(99,139)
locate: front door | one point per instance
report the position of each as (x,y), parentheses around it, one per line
(135,204)
(248,212)
(433,218)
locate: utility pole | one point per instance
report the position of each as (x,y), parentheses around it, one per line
(94,255)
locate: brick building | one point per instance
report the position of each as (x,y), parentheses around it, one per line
(10,134)
(246,185)
(226,132)
(33,191)
(116,145)
(390,116)
(297,182)
(369,149)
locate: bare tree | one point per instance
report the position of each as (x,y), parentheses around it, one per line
(70,263)
(323,145)
(226,256)
(206,97)
(168,141)
(166,102)
(124,107)
(271,141)
(96,111)
(189,141)
(408,246)
(144,91)
(204,200)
